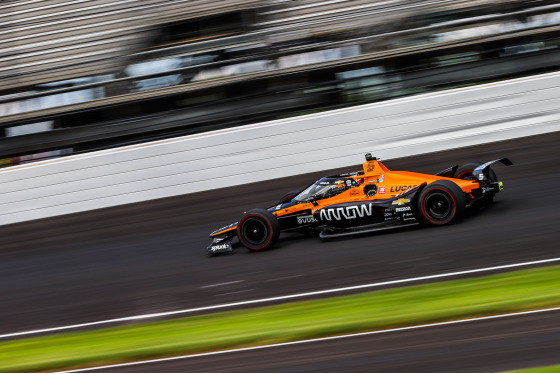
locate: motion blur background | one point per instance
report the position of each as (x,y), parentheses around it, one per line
(153,103)
(79,76)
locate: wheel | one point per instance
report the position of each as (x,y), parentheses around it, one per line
(466,172)
(441,202)
(289,196)
(258,229)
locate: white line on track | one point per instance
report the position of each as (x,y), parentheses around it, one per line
(316,340)
(277,298)
(222,284)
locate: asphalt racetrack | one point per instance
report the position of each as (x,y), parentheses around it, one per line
(504,344)
(151,257)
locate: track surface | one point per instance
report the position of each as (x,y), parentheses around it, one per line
(480,346)
(150,257)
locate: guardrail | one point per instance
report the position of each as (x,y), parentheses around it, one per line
(247,154)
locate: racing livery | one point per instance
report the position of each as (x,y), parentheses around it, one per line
(372,199)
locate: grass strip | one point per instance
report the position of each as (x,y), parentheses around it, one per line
(540,369)
(397,307)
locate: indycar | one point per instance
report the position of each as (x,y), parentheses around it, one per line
(372,199)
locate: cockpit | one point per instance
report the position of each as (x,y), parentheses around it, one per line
(325,188)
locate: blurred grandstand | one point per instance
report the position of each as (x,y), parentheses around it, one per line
(78,76)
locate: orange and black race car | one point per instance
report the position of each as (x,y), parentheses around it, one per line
(368,200)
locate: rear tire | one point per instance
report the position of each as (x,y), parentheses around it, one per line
(258,229)
(466,172)
(441,203)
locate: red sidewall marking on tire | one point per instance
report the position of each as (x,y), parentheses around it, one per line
(431,220)
(269,236)
(462,173)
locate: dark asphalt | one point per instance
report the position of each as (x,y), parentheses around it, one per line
(151,257)
(472,347)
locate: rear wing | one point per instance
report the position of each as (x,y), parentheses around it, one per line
(481,172)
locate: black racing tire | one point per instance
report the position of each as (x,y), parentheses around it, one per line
(440,203)
(288,196)
(258,229)
(466,172)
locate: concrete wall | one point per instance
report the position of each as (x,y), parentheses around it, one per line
(390,129)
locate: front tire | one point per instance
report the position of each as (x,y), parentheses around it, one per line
(258,229)
(441,203)
(289,196)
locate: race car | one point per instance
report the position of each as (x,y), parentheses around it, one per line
(372,199)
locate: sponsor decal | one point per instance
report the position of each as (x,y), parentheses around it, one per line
(388,214)
(370,167)
(408,215)
(325,182)
(218,247)
(491,189)
(380,179)
(409,219)
(339,182)
(305,219)
(401,201)
(348,182)
(402,188)
(381,190)
(403,209)
(354,192)
(349,212)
